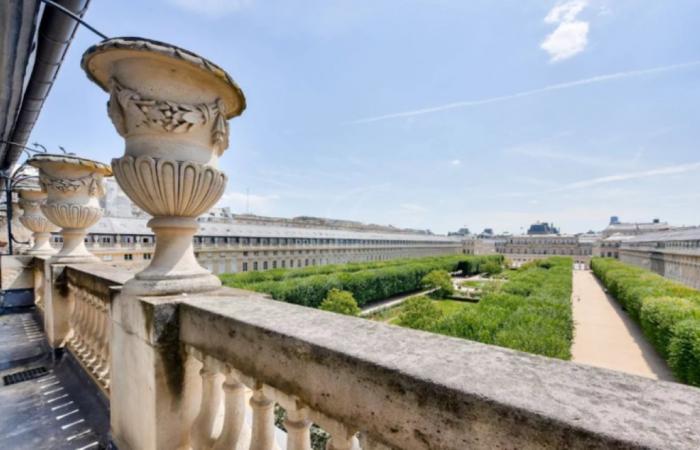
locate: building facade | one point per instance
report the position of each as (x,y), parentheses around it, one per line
(525,248)
(229,245)
(674,254)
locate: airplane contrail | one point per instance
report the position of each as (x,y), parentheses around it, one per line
(552,87)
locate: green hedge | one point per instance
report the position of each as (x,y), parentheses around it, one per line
(668,312)
(366,283)
(531,312)
(457,262)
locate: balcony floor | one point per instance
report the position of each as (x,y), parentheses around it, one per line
(61,409)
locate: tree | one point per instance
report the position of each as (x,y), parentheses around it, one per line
(492,268)
(439,280)
(341,302)
(419,313)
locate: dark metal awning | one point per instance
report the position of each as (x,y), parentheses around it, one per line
(34,40)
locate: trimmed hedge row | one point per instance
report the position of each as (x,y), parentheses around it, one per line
(668,312)
(366,285)
(531,312)
(244,279)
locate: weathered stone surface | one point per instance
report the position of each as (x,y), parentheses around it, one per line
(74,186)
(171,106)
(411,389)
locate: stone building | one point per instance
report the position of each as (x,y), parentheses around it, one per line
(524,248)
(229,245)
(633,228)
(674,254)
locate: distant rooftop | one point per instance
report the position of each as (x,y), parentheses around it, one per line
(542,228)
(675,234)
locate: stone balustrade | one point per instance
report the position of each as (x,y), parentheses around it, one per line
(90,294)
(214,370)
(375,386)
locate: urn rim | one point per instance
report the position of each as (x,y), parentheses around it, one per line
(26,189)
(100,168)
(97,71)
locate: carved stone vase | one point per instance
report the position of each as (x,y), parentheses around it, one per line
(171,107)
(31,198)
(74,186)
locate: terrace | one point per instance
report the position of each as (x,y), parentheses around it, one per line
(168,358)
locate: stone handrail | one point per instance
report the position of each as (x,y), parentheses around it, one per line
(90,296)
(376,386)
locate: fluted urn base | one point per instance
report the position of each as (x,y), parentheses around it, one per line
(42,246)
(73,250)
(174,268)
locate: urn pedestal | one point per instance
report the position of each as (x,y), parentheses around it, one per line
(31,199)
(171,107)
(73,186)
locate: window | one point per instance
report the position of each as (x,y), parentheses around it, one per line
(284,264)
(245,267)
(128,257)
(264,265)
(146,256)
(255,265)
(274,264)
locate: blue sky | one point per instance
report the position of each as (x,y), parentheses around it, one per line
(432,114)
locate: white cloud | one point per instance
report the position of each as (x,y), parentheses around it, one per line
(211,8)
(571,35)
(552,87)
(565,12)
(668,170)
(240,202)
(567,40)
(545,153)
(455,162)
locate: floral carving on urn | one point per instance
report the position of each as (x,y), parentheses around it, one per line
(73,186)
(171,106)
(31,199)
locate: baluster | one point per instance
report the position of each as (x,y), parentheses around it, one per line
(342,438)
(103,375)
(100,327)
(74,316)
(234,412)
(203,426)
(263,430)
(96,345)
(89,335)
(96,329)
(298,428)
(79,322)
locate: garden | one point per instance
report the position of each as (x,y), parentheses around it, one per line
(529,311)
(668,313)
(367,282)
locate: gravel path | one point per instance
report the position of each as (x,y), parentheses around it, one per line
(605,336)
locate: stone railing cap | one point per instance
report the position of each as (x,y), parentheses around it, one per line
(557,400)
(101,168)
(234,98)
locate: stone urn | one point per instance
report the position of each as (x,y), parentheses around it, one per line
(31,199)
(171,106)
(74,187)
